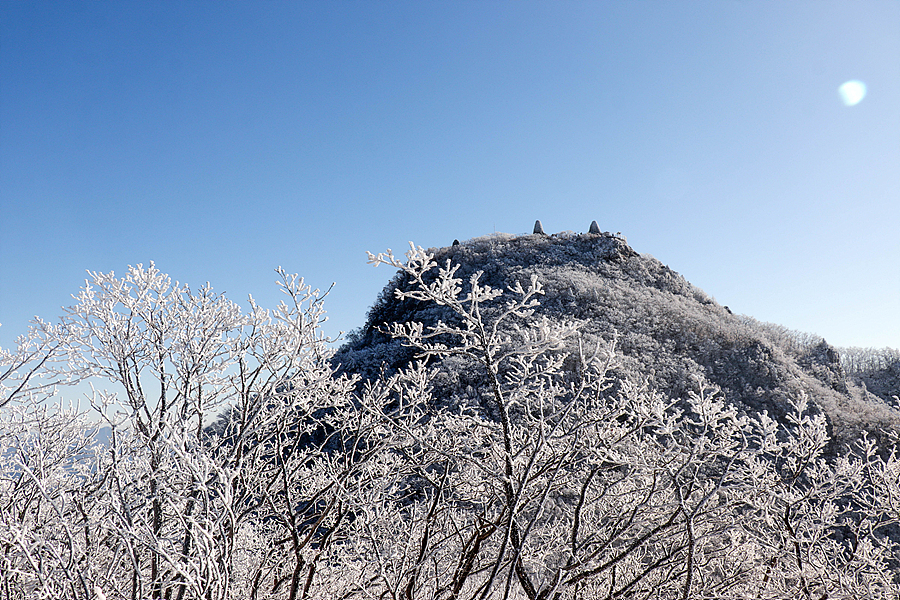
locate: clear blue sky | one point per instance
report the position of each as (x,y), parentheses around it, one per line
(222,140)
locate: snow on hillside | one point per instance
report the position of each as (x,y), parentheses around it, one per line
(667,332)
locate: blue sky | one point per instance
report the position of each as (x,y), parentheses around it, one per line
(222,140)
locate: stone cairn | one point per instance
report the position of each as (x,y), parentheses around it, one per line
(539,228)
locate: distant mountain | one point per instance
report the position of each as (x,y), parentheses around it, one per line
(667,331)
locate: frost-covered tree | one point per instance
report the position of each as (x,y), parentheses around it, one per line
(240,464)
(170,506)
(559,489)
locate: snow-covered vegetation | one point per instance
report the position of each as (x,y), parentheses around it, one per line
(668,333)
(496,431)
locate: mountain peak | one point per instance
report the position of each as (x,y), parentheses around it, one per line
(669,334)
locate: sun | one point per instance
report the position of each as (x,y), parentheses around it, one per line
(852,92)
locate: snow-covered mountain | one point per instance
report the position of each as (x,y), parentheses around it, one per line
(667,332)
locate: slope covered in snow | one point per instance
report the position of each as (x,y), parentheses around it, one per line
(667,332)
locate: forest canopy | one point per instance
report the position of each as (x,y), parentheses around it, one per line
(244,461)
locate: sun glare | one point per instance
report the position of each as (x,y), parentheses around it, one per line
(852,92)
